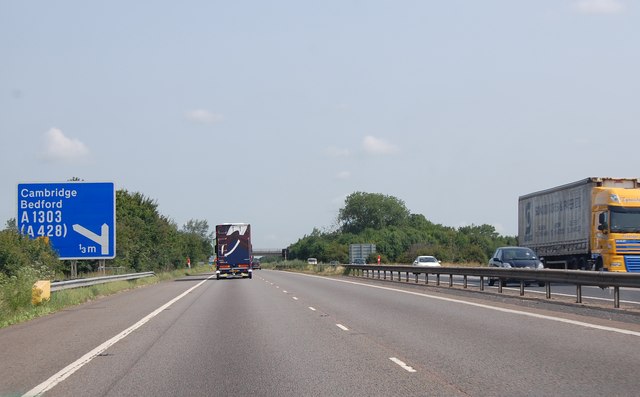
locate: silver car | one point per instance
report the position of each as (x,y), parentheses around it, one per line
(426,261)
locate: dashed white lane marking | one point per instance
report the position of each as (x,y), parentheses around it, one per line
(312,308)
(402,364)
(342,327)
(284,291)
(82,361)
(295,298)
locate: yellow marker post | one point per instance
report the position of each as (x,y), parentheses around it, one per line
(40,292)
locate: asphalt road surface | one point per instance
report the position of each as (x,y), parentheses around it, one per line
(287,334)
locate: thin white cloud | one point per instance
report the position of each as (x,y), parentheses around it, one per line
(343,175)
(373,145)
(203,116)
(60,148)
(333,151)
(599,6)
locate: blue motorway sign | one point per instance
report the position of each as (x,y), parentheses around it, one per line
(78,218)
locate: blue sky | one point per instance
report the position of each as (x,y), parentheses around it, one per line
(272,112)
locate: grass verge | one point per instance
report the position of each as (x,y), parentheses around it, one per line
(76,296)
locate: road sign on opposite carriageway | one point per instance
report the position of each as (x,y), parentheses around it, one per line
(78,218)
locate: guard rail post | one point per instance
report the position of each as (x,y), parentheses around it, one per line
(578,293)
(450,280)
(521,287)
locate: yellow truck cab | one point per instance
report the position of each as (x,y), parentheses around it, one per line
(616,229)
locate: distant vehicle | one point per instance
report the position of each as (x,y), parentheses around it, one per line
(426,261)
(312,261)
(515,257)
(359,261)
(256,264)
(233,247)
(591,224)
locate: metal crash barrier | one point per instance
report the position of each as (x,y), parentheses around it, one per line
(85,282)
(579,278)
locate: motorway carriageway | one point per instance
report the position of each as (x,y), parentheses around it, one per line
(290,334)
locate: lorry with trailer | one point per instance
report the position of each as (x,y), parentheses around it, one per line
(233,250)
(590,224)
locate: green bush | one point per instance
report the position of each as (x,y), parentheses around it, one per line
(18,308)
(15,290)
(18,252)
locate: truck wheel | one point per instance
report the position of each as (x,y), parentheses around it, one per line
(572,264)
(582,264)
(599,266)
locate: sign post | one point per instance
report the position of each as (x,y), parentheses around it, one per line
(78,218)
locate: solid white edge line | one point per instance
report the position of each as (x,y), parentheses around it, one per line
(499,309)
(342,327)
(79,363)
(402,365)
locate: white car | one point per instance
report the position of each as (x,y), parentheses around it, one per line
(426,261)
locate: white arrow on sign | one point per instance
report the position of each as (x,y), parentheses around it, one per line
(102,239)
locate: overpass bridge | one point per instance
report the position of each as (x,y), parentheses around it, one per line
(267,251)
